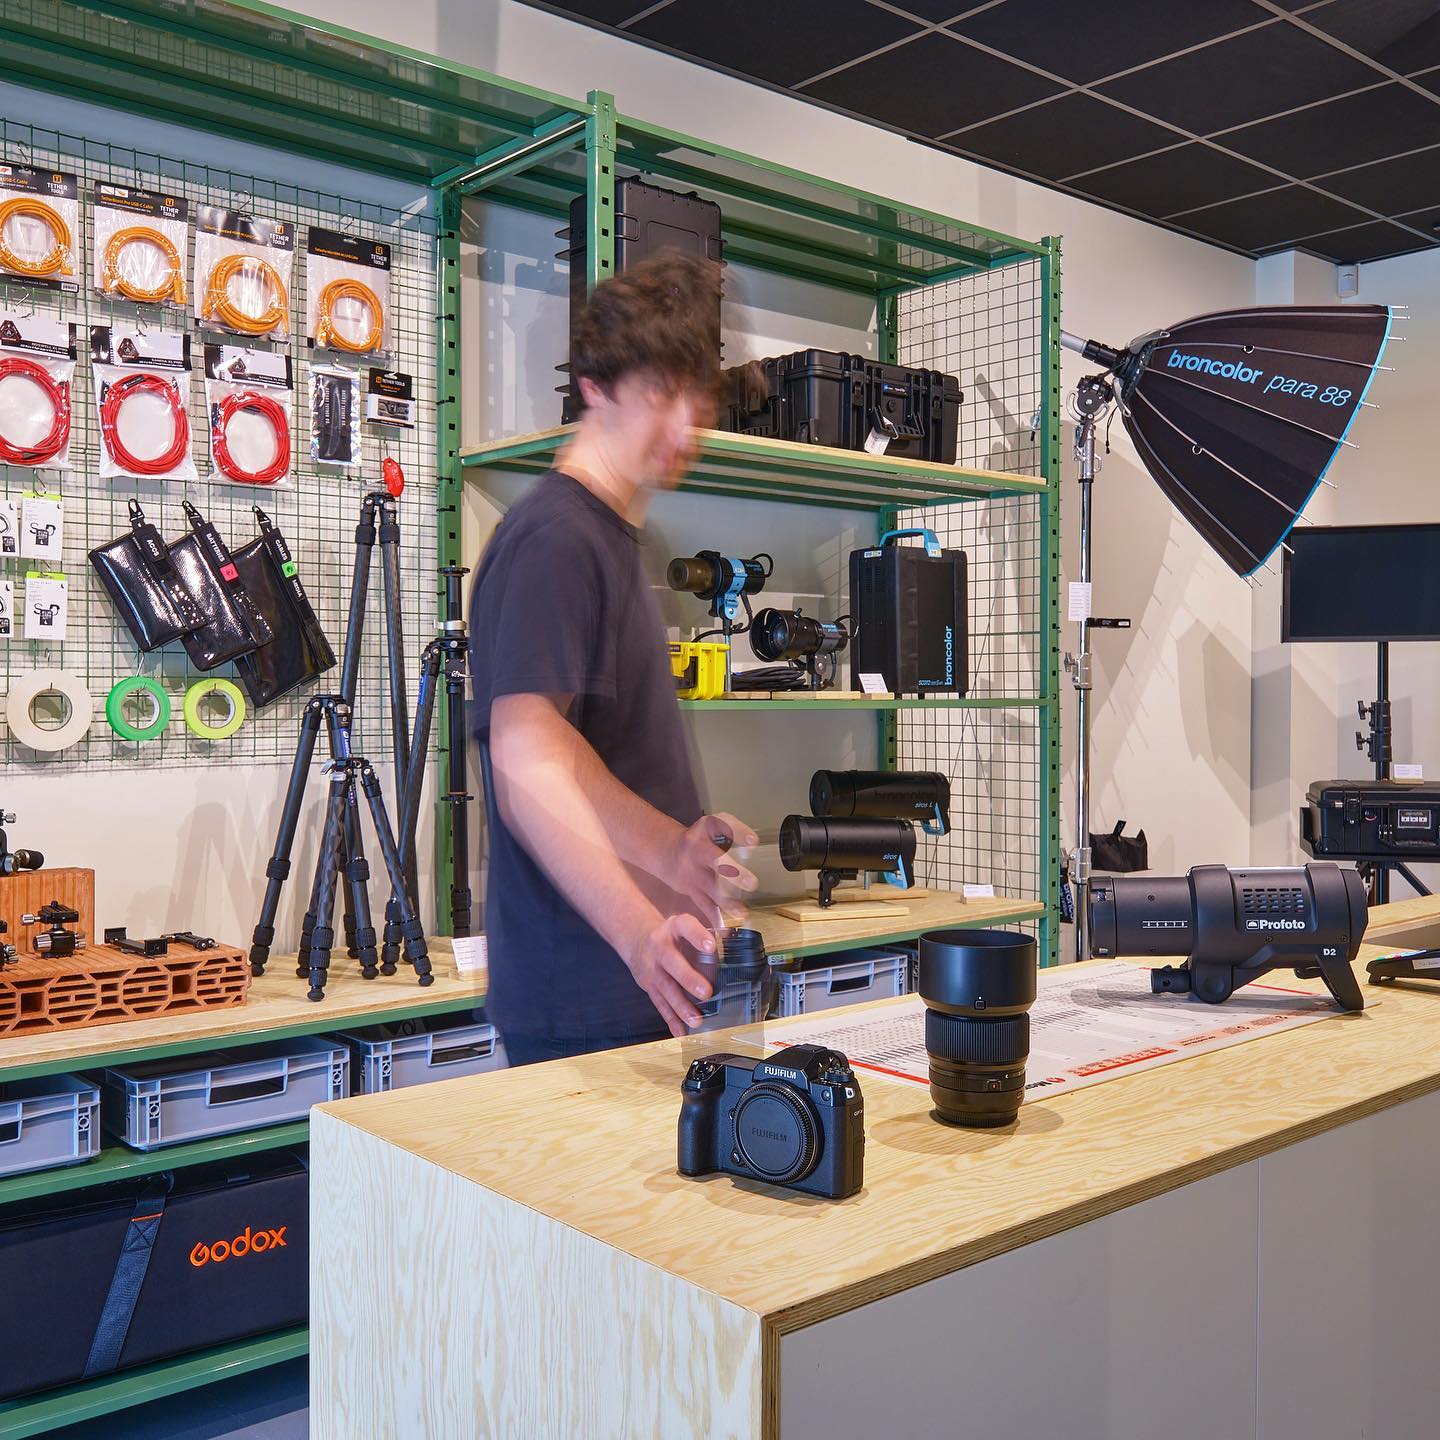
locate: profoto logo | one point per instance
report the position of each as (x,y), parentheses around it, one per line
(1274,924)
(247,1242)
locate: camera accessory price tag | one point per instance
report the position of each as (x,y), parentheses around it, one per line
(7,609)
(873,684)
(1401,771)
(1078,607)
(46,605)
(470,954)
(42,527)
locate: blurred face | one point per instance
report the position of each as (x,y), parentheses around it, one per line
(649,428)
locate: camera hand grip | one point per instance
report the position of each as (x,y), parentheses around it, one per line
(695,1135)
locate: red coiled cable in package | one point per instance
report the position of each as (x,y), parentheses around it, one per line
(225,409)
(58,394)
(126,388)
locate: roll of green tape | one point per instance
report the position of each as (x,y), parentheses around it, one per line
(159,700)
(203,729)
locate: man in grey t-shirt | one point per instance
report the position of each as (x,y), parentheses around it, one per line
(605,877)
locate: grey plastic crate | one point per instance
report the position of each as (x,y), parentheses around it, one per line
(734,1005)
(49,1121)
(847,979)
(165,1102)
(391,1057)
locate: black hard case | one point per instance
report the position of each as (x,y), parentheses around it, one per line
(1371,819)
(648,219)
(901,602)
(57,1260)
(829,397)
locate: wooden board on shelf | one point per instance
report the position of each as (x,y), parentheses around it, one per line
(814,912)
(936,910)
(276,1003)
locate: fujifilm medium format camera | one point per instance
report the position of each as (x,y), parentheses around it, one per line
(796,1119)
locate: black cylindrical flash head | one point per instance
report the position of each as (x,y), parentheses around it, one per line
(788,635)
(697,574)
(880,794)
(810,843)
(1141,915)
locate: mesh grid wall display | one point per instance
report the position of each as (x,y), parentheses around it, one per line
(987,329)
(318,517)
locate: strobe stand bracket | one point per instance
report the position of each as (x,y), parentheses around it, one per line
(1377,742)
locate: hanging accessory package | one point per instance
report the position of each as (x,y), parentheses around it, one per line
(42,526)
(142,387)
(242,272)
(248,395)
(348,282)
(234,626)
(47,604)
(334,415)
(39,220)
(7,609)
(140,244)
(147,589)
(299,651)
(390,399)
(37,371)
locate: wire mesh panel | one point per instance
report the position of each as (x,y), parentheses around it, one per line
(317,517)
(987,330)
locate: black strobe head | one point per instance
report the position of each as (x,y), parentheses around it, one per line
(778,635)
(709,575)
(841,849)
(1236,925)
(919,795)
(978,987)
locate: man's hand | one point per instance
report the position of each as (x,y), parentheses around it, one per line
(703,871)
(663,971)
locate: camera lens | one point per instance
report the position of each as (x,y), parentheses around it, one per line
(742,956)
(978,987)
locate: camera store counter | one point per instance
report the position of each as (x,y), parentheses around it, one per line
(1241,1243)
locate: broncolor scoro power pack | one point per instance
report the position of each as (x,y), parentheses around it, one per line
(908,607)
(1371,820)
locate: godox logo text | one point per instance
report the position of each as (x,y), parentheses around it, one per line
(247,1242)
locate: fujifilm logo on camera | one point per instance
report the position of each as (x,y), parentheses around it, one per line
(1274,924)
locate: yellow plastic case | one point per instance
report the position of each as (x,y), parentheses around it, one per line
(699,668)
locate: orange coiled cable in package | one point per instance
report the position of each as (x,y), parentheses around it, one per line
(326,332)
(219,305)
(171,288)
(58,394)
(56,261)
(226,409)
(126,388)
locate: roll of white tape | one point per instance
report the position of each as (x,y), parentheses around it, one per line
(26,689)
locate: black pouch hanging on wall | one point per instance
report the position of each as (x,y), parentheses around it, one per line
(298,651)
(147,589)
(1120,854)
(234,625)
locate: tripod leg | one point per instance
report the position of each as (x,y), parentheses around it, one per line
(327,869)
(278,869)
(395,652)
(410,795)
(357,894)
(410,929)
(359,585)
(458,801)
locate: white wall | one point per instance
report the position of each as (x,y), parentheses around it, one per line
(1172,746)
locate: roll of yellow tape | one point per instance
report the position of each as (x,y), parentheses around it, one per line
(202,728)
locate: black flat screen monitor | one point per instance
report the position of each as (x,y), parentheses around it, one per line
(1362,582)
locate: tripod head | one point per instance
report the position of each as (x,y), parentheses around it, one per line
(13,860)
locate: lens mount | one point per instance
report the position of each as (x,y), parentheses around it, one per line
(776,1134)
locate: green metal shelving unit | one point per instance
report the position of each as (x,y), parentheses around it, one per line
(255,73)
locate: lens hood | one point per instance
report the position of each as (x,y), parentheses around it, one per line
(984,974)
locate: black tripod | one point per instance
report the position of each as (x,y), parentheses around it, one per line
(448,653)
(341,847)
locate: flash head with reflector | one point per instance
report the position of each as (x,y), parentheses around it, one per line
(919,795)
(791,635)
(841,848)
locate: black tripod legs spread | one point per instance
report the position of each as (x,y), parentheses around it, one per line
(411,932)
(327,870)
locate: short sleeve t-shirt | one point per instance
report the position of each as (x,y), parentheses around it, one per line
(562,605)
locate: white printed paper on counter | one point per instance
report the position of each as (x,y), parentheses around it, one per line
(1400,771)
(1088,1024)
(470,953)
(873,684)
(978,892)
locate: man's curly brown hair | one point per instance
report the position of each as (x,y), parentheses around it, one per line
(660,319)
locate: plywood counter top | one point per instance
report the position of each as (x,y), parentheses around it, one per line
(590,1143)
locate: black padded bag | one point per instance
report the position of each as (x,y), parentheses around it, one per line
(234,625)
(145,585)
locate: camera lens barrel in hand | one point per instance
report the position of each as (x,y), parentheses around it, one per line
(978,987)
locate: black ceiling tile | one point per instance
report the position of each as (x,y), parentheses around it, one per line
(1401,34)
(1427,219)
(603,12)
(1241,79)
(1085,42)
(1182,178)
(1353,130)
(1363,242)
(783,44)
(1390,186)
(1060,137)
(1272,219)
(933,10)
(931,86)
